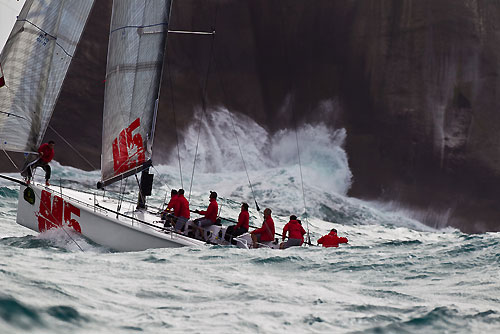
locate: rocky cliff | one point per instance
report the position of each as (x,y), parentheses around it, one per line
(415,82)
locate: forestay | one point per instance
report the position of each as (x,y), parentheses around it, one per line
(135,56)
(35,61)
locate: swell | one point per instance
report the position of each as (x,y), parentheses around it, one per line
(7,192)
(440,319)
(23,316)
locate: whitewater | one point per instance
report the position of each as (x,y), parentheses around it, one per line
(396,275)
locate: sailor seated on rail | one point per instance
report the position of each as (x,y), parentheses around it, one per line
(210,216)
(168,215)
(241,227)
(296,233)
(181,211)
(264,233)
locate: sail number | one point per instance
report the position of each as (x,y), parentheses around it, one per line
(42,39)
(57,212)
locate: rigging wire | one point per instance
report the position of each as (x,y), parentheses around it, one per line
(73,148)
(237,139)
(12,161)
(195,154)
(204,99)
(302,183)
(294,119)
(175,117)
(244,164)
(168,187)
(121,196)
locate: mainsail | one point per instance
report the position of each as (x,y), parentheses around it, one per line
(35,61)
(135,57)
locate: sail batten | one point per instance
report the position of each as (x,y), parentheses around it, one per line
(135,59)
(35,61)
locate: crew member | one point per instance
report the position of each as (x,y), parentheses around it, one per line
(296,233)
(266,231)
(210,215)
(45,155)
(181,210)
(332,239)
(171,208)
(241,227)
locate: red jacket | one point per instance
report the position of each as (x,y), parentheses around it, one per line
(46,152)
(182,207)
(266,231)
(212,210)
(296,230)
(173,204)
(243,220)
(332,240)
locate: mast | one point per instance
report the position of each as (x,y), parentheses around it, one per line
(135,61)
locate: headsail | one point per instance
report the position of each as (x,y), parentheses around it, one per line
(35,61)
(135,56)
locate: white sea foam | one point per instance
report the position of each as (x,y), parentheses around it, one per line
(272,161)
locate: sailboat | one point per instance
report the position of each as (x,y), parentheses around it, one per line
(35,61)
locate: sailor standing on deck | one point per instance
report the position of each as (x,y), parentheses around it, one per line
(45,155)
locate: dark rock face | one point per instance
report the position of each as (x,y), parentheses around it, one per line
(415,82)
(431,70)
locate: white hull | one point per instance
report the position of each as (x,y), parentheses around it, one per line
(92,216)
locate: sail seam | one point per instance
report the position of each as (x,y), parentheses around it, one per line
(138,27)
(11,114)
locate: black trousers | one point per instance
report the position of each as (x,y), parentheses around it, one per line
(233,232)
(45,166)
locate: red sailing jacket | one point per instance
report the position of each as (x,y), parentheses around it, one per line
(46,152)
(243,220)
(266,231)
(332,240)
(212,210)
(182,207)
(173,204)
(296,230)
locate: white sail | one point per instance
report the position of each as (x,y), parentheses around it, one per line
(35,61)
(135,56)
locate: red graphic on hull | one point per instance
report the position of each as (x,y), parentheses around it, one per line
(57,212)
(128,151)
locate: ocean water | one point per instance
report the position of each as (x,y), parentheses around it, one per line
(396,275)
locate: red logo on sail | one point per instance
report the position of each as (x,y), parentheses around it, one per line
(56,213)
(128,151)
